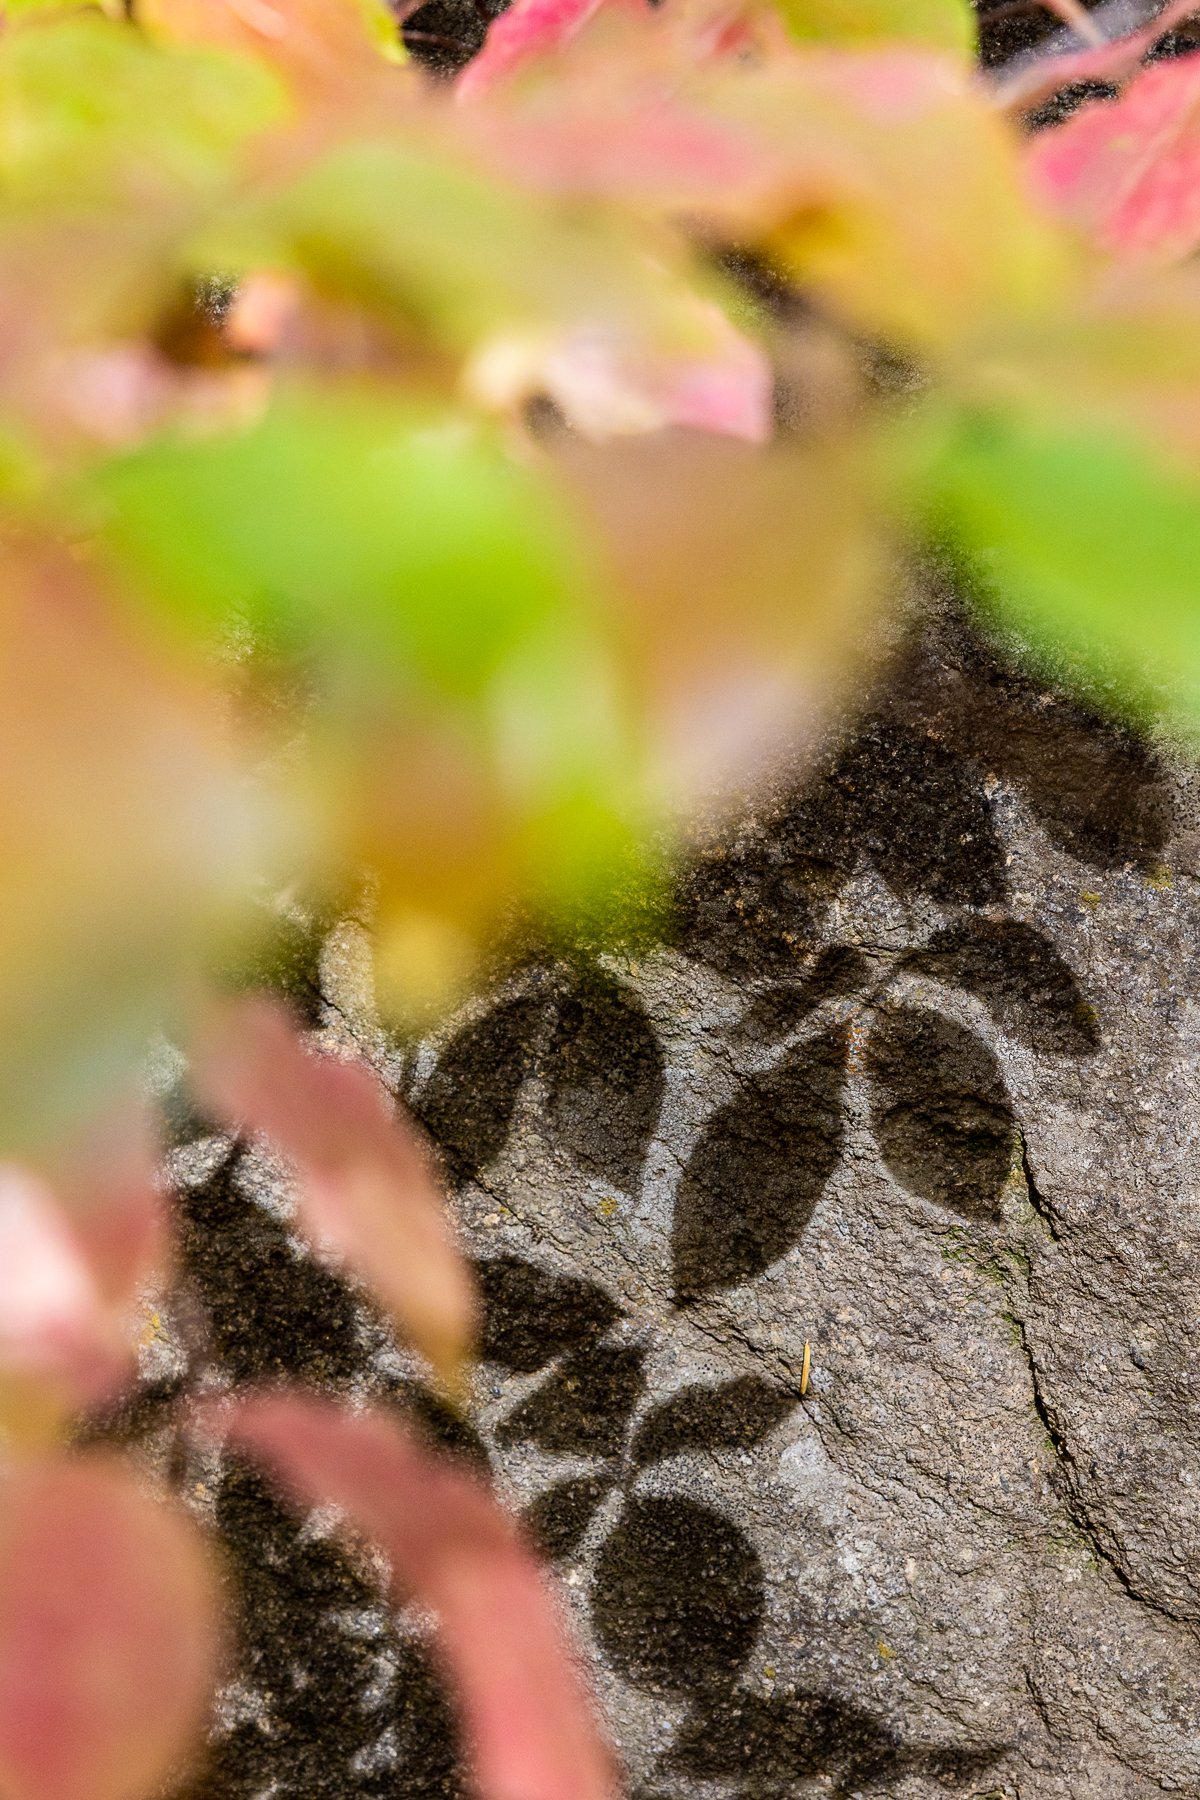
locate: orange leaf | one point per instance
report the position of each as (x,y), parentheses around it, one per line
(1129,169)
(452,1549)
(320,44)
(129,838)
(366,1184)
(108,1633)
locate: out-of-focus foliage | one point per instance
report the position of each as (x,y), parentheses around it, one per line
(431,490)
(108,1641)
(451,1548)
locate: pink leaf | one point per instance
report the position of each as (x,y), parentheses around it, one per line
(1129,169)
(366,1184)
(62,1344)
(607,386)
(107,1633)
(452,1549)
(529,28)
(106,1176)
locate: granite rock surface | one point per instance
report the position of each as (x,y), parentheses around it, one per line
(911,1091)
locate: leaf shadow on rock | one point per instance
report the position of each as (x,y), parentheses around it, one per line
(734,1416)
(271,1312)
(1029,988)
(326,1707)
(838,972)
(940,1111)
(584,1406)
(893,795)
(604,1077)
(443,1428)
(1098,788)
(753,907)
(677,1596)
(467,1104)
(530,1315)
(759,1169)
(768,1743)
(557,1521)
(902,800)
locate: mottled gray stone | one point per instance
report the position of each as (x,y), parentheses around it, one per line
(914,1085)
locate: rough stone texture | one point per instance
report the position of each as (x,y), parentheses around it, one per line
(915,1085)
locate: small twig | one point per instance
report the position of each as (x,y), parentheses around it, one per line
(1026,80)
(1072,13)
(437,40)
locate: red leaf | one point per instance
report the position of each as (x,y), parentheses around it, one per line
(107,1633)
(1129,169)
(452,1549)
(366,1184)
(528,29)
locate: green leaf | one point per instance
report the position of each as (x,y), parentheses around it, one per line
(380,22)
(939,24)
(401,540)
(456,254)
(1089,545)
(90,109)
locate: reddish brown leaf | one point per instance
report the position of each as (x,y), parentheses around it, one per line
(108,1633)
(1129,169)
(367,1186)
(452,1549)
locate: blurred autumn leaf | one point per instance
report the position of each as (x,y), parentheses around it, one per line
(1065,526)
(108,1632)
(441,491)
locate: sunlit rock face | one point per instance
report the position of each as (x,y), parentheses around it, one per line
(909,1099)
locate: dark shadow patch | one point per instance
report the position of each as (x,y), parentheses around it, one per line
(271,1312)
(838,972)
(734,1416)
(759,1169)
(906,803)
(557,1520)
(769,1743)
(1098,789)
(678,1595)
(132,1417)
(531,1316)
(442,1427)
(443,35)
(940,1111)
(288,1593)
(468,1102)
(604,1079)
(584,1407)
(1099,793)
(1027,986)
(753,909)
